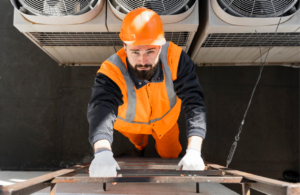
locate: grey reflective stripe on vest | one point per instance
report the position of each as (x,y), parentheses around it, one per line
(130,112)
(151,121)
(168,75)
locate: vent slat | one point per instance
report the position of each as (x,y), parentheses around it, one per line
(251,40)
(96,38)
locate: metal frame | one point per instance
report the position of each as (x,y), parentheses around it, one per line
(154,170)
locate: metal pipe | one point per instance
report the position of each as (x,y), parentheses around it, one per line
(170,172)
(151,179)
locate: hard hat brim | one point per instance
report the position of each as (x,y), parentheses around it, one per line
(148,42)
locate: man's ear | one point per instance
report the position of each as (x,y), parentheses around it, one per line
(160,47)
(125,48)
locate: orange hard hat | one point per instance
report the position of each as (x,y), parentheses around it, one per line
(142,27)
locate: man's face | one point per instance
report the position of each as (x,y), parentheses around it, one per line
(143,59)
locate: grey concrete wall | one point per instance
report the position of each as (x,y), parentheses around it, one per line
(43,111)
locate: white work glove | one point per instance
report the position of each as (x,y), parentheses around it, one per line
(104,165)
(192,160)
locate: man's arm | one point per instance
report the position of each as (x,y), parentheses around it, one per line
(102,144)
(102,111)
(195,142)
(188,89)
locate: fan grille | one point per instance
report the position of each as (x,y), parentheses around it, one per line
(161,7)
(55,7)
(258,8)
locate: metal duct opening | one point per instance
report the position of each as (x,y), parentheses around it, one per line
(161,7)
(260,8)
(252,40)
(56,7)
(96,38)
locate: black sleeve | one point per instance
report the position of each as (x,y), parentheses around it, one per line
(102,109)
(188,89)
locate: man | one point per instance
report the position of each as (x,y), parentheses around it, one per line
(139,91)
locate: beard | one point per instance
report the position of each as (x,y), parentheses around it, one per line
(144,74)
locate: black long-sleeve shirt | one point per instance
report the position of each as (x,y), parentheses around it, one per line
(107,97)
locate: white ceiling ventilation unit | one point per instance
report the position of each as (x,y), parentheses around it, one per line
(227,36)
(72,32)
(180,18)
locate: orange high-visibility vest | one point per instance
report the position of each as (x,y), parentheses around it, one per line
(155,105)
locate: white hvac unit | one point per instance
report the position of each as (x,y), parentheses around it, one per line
(72,32)
(180,18)
(227,36)
(86,32)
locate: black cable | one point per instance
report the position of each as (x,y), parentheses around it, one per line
(237,137)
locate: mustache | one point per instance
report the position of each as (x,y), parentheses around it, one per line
(143,74)
(143,66)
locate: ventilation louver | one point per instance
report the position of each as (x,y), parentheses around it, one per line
(259,8)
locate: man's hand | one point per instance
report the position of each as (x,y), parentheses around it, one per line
(192,160)
(104,165)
